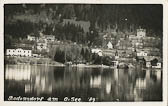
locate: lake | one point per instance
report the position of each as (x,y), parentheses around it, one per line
(55,83)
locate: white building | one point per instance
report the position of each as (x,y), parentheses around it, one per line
(50,38)
(115,63)
(41,46)
(18,52)
(158,65)
(97,51)
(148,64)
(109,45)
(116,55)
(35,55)
(132,37)
(141,32)
(142,53)
(31,38)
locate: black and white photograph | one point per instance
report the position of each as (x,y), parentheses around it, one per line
(83,52)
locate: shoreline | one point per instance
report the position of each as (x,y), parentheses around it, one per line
(63,65)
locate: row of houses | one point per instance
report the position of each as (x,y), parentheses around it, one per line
(21,53)
(138,40)
(41,42)
(46,38)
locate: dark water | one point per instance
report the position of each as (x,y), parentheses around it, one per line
(88,84)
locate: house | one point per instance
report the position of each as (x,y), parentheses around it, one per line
(158,65)
(142,53)
(31,38)
(107,52)
(132,37)
(141,32)
(115,63)
(50,38)
(148,61)
(18,52)
(148,64)
(41,45)
(123,44)
(46,38)
(109,45)
(97,51)
(35,55)
(116,55)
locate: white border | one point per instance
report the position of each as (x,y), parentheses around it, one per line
(165,45)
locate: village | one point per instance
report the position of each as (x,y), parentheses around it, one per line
(123,49)
(86,52)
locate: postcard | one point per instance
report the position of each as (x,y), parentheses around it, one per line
(106,52)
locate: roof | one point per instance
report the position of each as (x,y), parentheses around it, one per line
(149,58)
(24,48)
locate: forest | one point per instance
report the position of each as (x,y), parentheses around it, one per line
(146,16)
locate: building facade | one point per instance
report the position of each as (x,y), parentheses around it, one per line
(97,51)
(141,32)
(142,53)
(31,38)
(19,52)
(41,46)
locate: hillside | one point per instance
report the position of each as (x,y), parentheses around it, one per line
(23,19)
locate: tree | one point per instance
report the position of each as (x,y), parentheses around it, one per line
(154,62)
(59,56)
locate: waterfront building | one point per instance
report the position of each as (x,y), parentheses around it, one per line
(132,36)
(148,64)
(19,52)
(115,63)
(35,55)
(158,65)
(123,44)
(116,55)
(97,51)
(142,53)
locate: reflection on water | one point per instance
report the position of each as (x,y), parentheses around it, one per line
(102,84)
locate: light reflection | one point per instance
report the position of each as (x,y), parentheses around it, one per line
(140,83)
(95,82)
(108,87)
(110,84)
(18,74)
